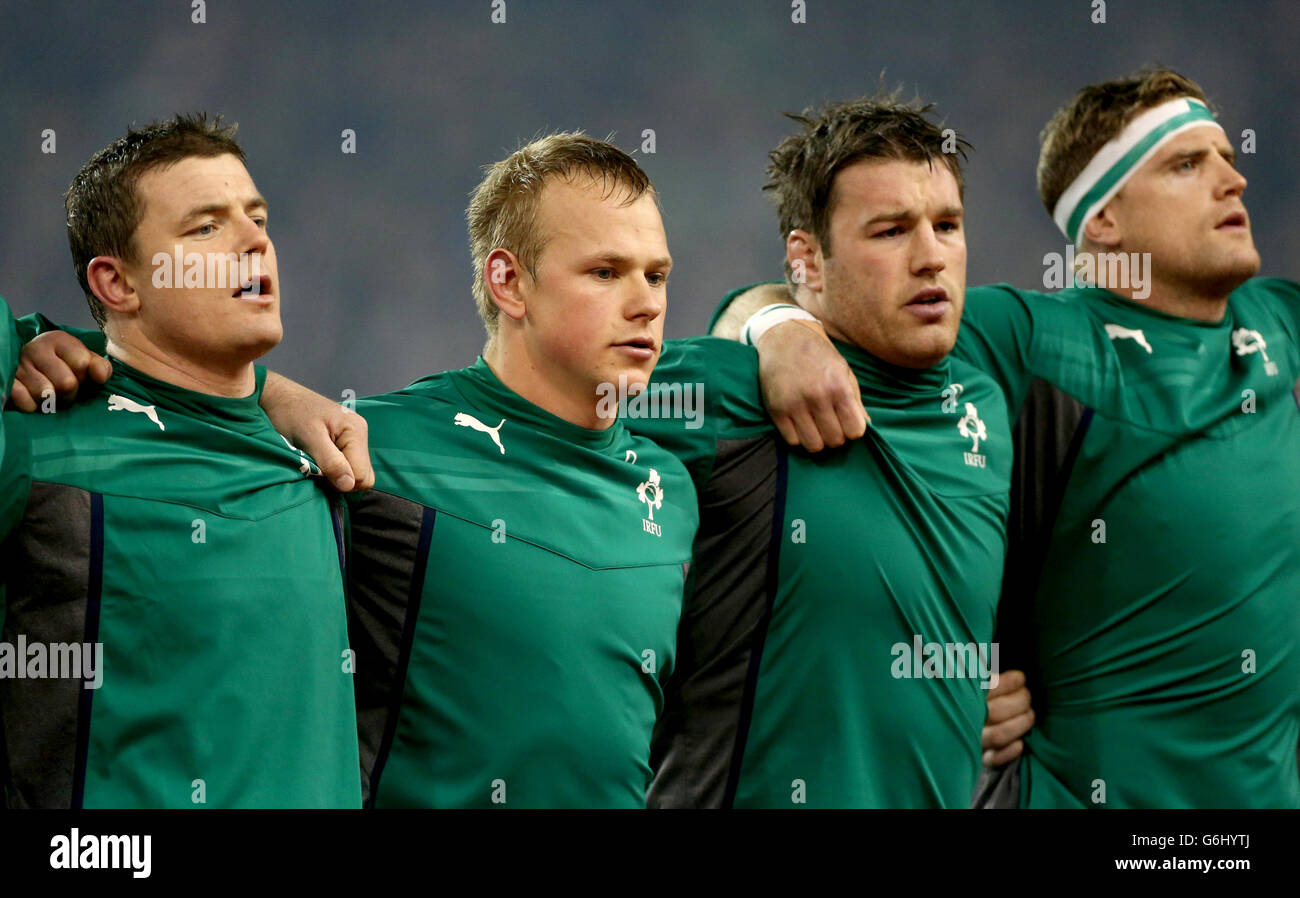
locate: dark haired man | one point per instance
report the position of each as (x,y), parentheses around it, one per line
(1154,572)
(428,731)
(831,594)
(173,590)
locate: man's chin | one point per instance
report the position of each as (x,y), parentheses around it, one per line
(927,348)
(258,345)
(1234,272)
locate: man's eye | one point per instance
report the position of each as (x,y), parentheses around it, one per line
(657,279)
(892,232)
(603,273)
(204,230)
(949,225)
(261,222)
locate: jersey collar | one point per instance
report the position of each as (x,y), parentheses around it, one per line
(881,380)
(481,387)
(242,414)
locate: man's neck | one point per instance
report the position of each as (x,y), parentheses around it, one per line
(1180,302)
(514,367)
(235,380)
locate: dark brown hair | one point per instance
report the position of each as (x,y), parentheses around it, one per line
(103,205)
(801,170)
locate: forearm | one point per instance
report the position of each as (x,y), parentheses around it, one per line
(733,318)
(337,438)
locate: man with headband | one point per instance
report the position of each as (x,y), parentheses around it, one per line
(1153,576)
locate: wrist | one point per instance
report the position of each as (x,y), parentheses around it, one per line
(769,317)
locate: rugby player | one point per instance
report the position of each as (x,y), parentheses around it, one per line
(518,570)
(816,657)
(1154,572)
(168,547)
(516,574)
(426,700)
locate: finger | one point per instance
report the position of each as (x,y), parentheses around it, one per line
(809,438)
(75,355)
(100,368)
(60,375)
(1007,706)
(1000,735)
(785,426)
(38,386)
(1005,755)
(355,445)
(1008,681)
(333,464)
(852,416)
(828,425)
(21,399)
(48,354)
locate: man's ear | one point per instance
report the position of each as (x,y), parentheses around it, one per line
(111,285)
(803,252)
(1103,229)
(504,276)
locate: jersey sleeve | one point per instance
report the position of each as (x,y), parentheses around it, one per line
(10,345)
(15,485)
(1286,300)
(996,336)
(725,374)
(30,327)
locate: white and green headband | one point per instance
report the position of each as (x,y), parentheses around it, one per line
(1116,162)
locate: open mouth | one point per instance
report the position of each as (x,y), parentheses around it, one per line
(929,297)
(1235,220)
(258,286)
(639,343)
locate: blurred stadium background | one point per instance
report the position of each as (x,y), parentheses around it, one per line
(373,260)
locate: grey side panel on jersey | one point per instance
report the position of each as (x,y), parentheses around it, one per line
(999,787)
(695,741)
(47,580)
(385,578)
(1048,433)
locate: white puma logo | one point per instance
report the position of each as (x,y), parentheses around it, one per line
(1115,332)
(122,404)
(465,420)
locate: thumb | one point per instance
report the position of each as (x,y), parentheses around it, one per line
(332,463)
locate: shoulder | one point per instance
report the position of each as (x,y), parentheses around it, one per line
(88,418)
(409,404)
(708,355)
(1268,290)
(974,380)
(1280,297)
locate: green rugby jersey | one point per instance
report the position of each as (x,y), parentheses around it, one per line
(1155,567)
(181,533)
(10,346)
(516,585)
(829,648)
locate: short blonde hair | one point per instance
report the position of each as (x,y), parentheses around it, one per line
(502,211)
